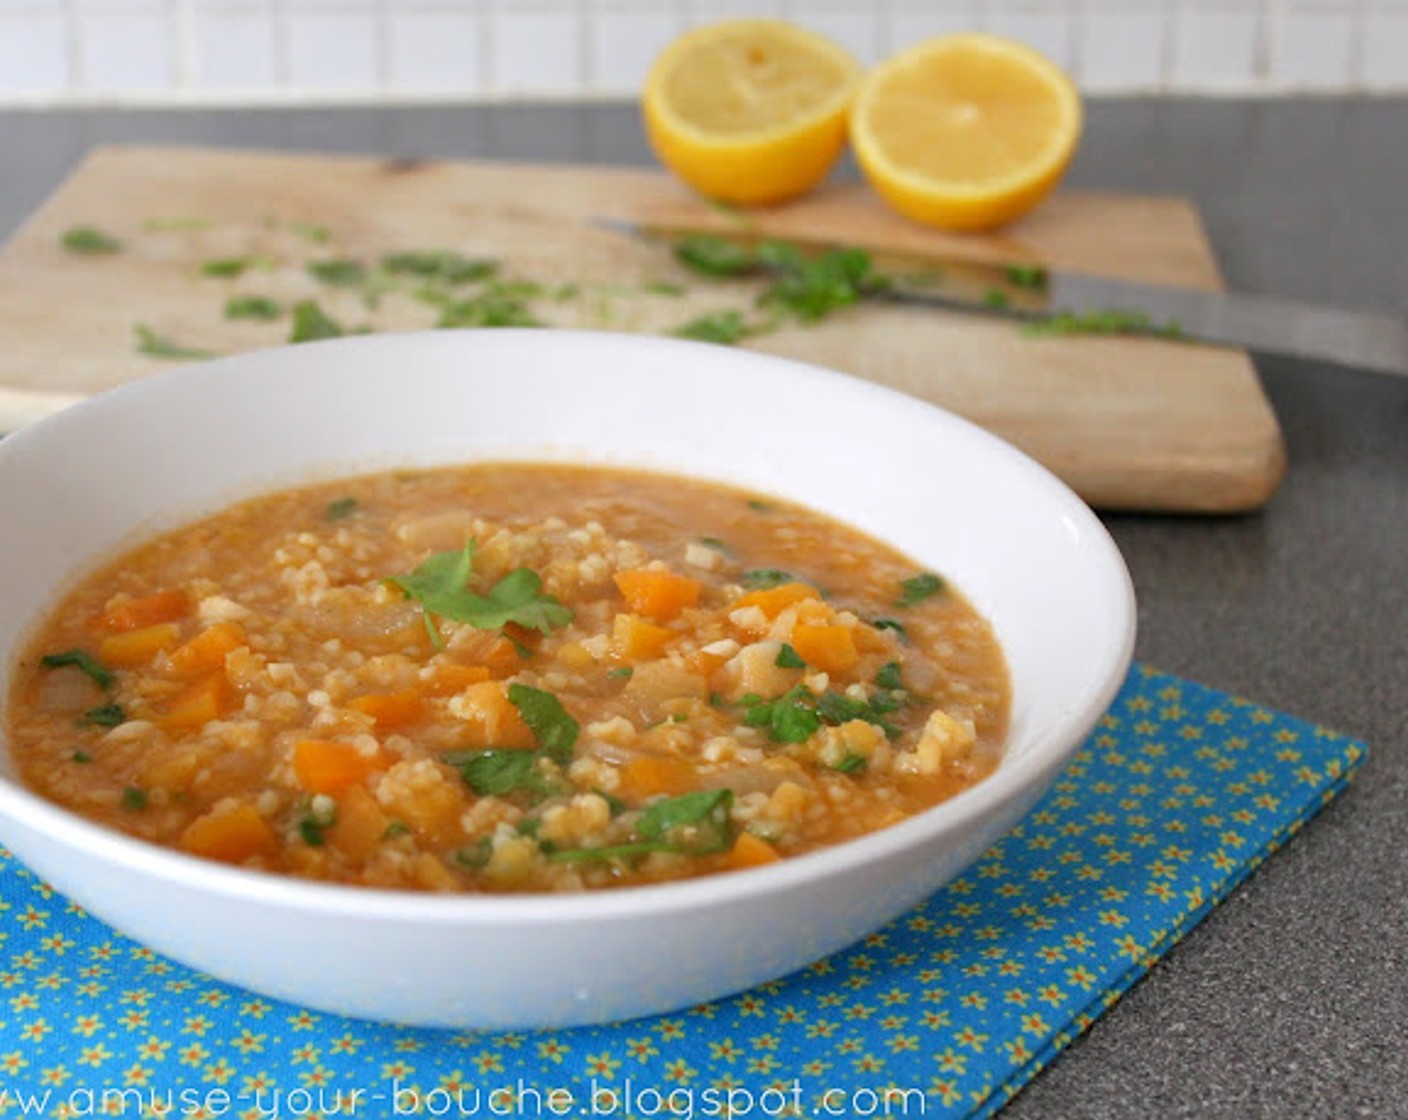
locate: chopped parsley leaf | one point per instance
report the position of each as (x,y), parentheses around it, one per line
(338,272)
(445,267)
(551,724)
(105,715)
(724,328)
(1032,277)
(789,658)
(89,241)
(499,307)
(496,773)
(891,624)
(699,823)
(311,323)
(84,662)
(154,345)
(225,267)
(889,675)
(339,509)
(916,589)
(715,256)
(252,307)
(761,579)
(134,798)
(441,585)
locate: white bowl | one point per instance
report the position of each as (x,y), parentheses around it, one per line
(1027,552)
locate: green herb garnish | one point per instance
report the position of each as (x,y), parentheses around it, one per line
(889,675)
(796,715)
(1031,277)
(997,299)
(918,588)
(761,579)
(724,328)
(791,718)
(225,267)
(251,307)
(498,307)
(620,673)
(90,241)
(476,856)
(81,756)
(811,288)
(551,723)
(497,773)
(105,715)
(154,345)
(789,658)
(339,509)
(663,288)
(445,267)
(697,824)
(441,585)
(851,764)
(891,624)
(338,273)
(84,662)
(836,708)
(395,830)
(311,323)
(134,798)
(715,256)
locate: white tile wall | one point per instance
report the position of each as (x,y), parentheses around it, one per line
(234,50)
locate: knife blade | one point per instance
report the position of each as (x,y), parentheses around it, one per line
(1069,303)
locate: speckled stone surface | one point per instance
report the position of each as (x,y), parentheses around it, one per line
(1291,1000)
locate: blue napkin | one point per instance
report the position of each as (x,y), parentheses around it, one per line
(948,1011)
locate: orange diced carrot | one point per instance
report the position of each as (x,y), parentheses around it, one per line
(205,653)
(447,680)
(495,652)
(831,649)
(524,636)
(751,851)
(132,648)
(634,639)
(650,775)
(491,720)
(198,703)
(704,663)
(390,709)
(774,600)
(657,593)
(870,640)
(232,835)
(147,610)
(360,824)
(327,766)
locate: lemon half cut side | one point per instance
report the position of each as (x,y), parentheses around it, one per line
(750,111)
(965,132)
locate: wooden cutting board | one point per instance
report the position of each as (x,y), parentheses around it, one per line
(1129,423)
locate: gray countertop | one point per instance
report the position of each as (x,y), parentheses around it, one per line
(1291,999)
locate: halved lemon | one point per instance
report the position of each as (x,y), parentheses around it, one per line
(965,131)
(750,111)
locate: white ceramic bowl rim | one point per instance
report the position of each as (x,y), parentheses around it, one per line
(627,903)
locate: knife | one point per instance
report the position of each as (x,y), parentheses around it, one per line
(1056,302)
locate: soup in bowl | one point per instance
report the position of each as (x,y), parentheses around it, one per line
(650,669)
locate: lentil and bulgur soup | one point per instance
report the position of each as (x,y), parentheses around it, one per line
(508,677)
